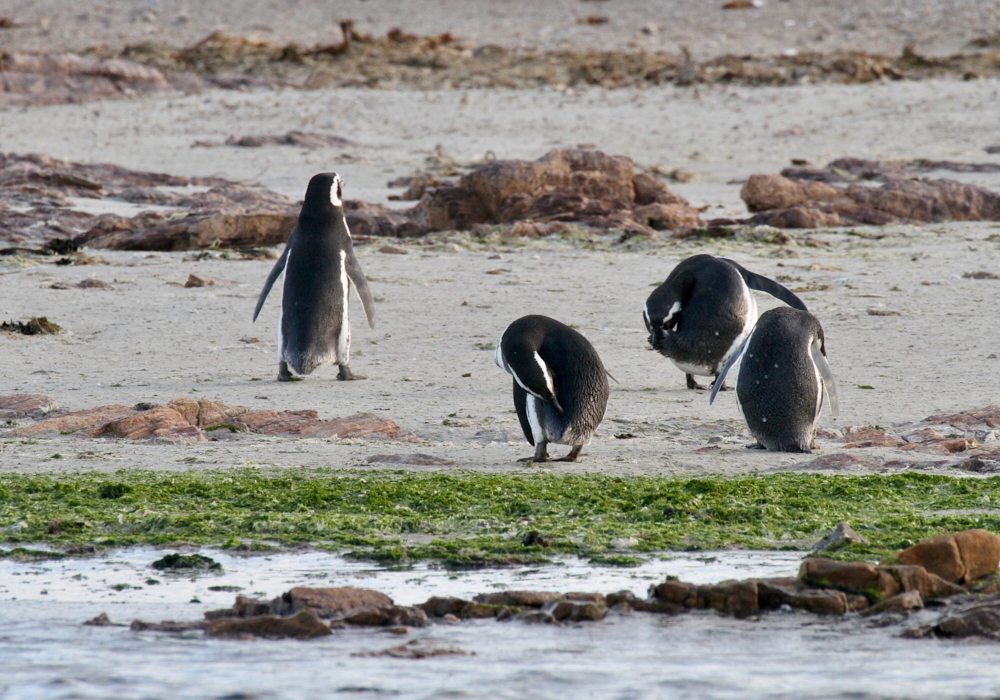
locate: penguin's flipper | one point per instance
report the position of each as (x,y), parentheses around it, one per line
(829,381)
(764,284)
(361,285)
(733,359)
(521,406)
(275,273)
(533,375)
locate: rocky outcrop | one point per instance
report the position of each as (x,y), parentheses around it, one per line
(26,406)
(302,625)
(962,557)
(187,420)
(328,602)
(587,187)
(808,198)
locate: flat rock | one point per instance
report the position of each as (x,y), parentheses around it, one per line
(26,405)
(86,420)
(303,625)
(329,602)
(521,599)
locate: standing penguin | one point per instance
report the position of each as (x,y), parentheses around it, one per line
(560,385)
(780,384)
(319,266)
(703,311)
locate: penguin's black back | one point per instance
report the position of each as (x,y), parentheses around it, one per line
(578,375)
(315,290)
(713,311)
(777,388)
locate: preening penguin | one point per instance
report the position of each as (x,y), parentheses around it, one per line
(560,385)
(781,380)
(319,267)
(703,311)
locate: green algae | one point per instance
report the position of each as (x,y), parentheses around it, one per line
(479,519)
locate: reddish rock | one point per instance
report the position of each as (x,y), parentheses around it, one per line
(852,576)
(962,557)
(988,417)
(676,592)
(329,602)
(667,217)
(243,607)
(439,607)
(205,413)
(160,422)
(917,578)
(763,192)
(93,419)
(302,625)
(26,405)
(904,602)
(366,617)
(737,597)
(374,220)
(520,599)
(864,436)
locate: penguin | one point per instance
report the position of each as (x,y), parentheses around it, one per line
(703,311)
(782,379)
(319,267)
(560,384)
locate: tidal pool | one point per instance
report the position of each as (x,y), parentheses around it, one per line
(45,652)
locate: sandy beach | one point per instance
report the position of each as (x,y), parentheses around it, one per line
(442,306)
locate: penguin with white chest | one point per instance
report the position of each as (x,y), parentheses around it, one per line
(703,311)
(560,384)
(319,266)
(782,378)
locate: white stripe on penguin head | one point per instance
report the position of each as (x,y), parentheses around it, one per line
(335,187)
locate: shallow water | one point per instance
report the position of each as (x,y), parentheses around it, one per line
(46,653)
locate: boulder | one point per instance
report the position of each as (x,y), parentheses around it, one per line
(841,536)
(737,597)
(329,602)
(962,557)
(763,192)
(917,578)
(676,592)
(26,405)
(519,599)
(977,620)
(303,625)
(851,576)
(903,602)
(88,420)
(575,610)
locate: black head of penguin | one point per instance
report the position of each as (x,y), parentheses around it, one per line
(323,203)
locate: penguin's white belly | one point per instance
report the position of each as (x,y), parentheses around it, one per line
(697,370)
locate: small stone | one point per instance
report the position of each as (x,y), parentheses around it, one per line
(904,602)
(101,620)
(841,536)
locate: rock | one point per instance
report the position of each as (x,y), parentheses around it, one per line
(187,562)
(374,220)
(961,557)
(160,422)
(536,616)
(243,607)
(299,139)
(205,413)
(37,325)
(575,610)
(101,620)
(416,459)
(987,417)
(93,418)
(857,437)
(675,592)
(977,620)
(329,602)
(917,578)
(904,602)
(303,625)
(196,281)
(764,192)
(439,607)
(415,649)
(841,536)
(773,593)
(26,405)
(520,599)
(850,576)
(167,626)
(737,597)
(412,616)
(366,617)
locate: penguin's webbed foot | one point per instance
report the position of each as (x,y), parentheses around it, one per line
(345,374)
(572,456)
(692,384)
(284,375)
(541,454)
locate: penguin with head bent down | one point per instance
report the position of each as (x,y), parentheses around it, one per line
(782,378)
(319,267)
(560,384)
(703,311)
